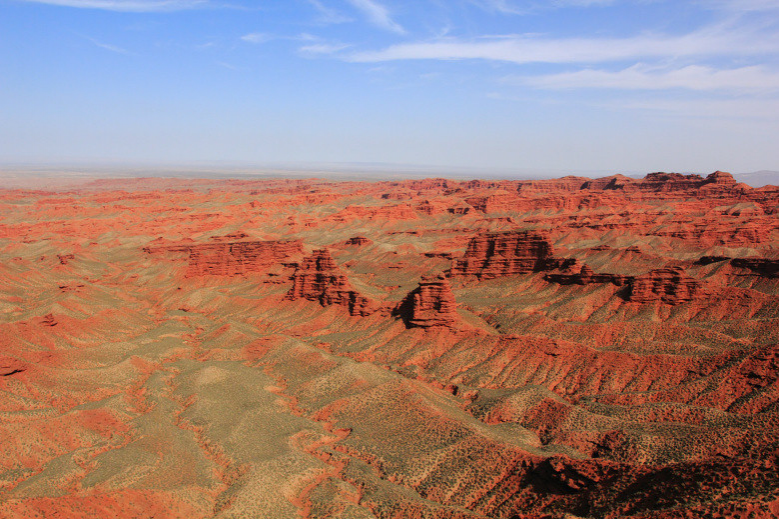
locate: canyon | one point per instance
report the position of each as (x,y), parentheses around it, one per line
(422,348)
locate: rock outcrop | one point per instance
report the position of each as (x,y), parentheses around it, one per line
(11,366)
(358,241)
(584,275)
(668,285)
(715,184)
(239,258)
(761,266)
(431,304)
(319,279)
(232,258)
(493,255)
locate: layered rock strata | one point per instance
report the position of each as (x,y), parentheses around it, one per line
(239,258)
(318,278)
(584,275)
(232,258)
(667,285)
(494,255)
(431,304)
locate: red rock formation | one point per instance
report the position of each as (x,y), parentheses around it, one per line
(232,258)
(319,279)
(430,208)
(568,183)
(381,213)
(64,259)
(11,366)
(239,258)
(462,208)
(49,320)
(358,241)
(498,202)
(668,285)
(761,266)
(717,184)
(503,254)
(431,304)
(609,183)
(584,275)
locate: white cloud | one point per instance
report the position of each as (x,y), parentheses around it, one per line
(499,6)
(741,5)
(711,41)
(583,3)
(328,15)
(323,48)
(754,79)
(257,37)
(378,15)
(133,6)
(109,47)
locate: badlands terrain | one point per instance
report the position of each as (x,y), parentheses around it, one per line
(596,348)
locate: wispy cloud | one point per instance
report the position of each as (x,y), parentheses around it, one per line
(328,15)
(499,6)
(257,37)
(583,3)
(511,7)
(108,47)
(131,6)
(323,48)
(753,79)
(228,66)
(378,15)
(711,41)
(263,37)
(741,5)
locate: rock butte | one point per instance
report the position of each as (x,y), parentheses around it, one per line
(196,348)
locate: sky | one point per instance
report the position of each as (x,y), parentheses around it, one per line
(574,85)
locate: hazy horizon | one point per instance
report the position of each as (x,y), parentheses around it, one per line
(27,173)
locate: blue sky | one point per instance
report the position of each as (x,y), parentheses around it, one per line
(607,85)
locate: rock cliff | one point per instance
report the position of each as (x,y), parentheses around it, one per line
(493,255)
(232,258)
(319,279)
(432,303)
(584,275)
(239,258)
(668,285)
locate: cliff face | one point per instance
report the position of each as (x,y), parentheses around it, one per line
(319,279)
(432,303)
(584,275)
(239,258)
(668,285)
(232,258)
(761,266)
(502,254)
(715,184)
